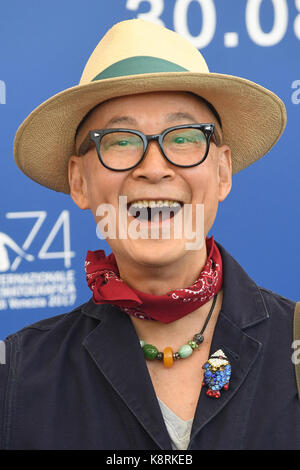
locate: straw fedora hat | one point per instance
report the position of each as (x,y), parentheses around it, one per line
(138,56)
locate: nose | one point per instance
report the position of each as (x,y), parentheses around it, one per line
(154,167)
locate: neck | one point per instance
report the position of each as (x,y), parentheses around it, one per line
(160,279)
(179,332)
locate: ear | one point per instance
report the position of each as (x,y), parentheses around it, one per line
(78,187)
(224,172)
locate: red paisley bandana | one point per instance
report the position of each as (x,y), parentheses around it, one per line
(103,279)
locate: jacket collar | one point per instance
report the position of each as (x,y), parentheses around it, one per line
(239,290)
(125,369)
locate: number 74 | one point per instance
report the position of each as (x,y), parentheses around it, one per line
(63,222)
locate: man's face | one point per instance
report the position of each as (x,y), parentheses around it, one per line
(154,178)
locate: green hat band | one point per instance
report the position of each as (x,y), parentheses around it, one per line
(138,65)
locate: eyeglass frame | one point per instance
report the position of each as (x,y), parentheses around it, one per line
(96,135)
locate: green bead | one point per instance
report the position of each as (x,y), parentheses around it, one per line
(193,344)
(142,343)
(150,351)
(185,351)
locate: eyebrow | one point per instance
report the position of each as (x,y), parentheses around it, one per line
(182,116)
(121,120)
(169,118)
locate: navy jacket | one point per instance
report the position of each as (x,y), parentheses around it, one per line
(79,380)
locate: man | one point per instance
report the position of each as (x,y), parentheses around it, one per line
(177,348)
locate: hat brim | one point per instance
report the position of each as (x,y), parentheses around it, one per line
(253,118)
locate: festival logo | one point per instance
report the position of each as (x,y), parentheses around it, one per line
(23,287)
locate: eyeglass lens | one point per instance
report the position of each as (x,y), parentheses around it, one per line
(121,150)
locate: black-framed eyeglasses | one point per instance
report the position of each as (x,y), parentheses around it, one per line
(123,149)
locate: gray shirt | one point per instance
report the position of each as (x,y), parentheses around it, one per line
(178,429)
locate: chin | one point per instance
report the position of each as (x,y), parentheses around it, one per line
(156,252)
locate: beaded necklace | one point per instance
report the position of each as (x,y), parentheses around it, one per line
(167,356)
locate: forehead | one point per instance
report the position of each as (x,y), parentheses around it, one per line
(158,106)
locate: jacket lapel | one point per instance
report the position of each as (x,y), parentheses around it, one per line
(243,307)
(115,348)
(242,352)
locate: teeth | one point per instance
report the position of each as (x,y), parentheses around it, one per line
(150,203)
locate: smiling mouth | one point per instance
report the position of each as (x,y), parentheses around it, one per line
(154,210)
